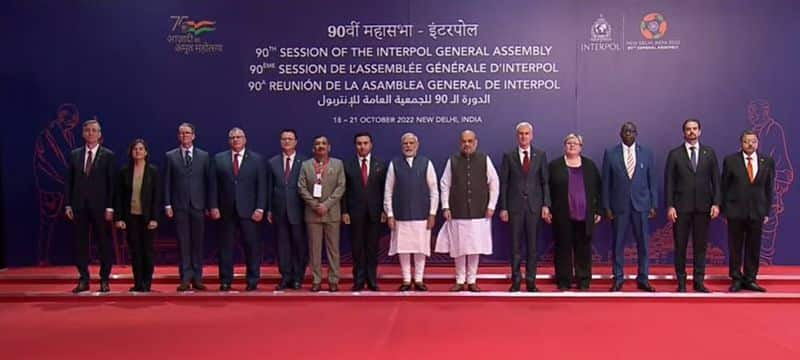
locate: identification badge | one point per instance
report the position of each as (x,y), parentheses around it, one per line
(317,190)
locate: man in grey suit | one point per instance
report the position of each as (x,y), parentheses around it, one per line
(321,185)
(524,199)
(187,182)
(285,212)
(239,199)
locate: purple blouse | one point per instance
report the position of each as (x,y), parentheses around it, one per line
(577,194)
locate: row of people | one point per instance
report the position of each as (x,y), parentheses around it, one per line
(306,200)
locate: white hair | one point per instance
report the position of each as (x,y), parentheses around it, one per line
(409,134)
(522,124)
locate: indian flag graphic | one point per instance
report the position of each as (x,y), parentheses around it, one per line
(198,28)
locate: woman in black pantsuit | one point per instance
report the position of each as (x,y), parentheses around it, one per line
(575,194)
(136,211)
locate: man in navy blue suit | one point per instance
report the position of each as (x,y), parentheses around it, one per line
(188,178)
(239,199)
(285,211)
(629,198)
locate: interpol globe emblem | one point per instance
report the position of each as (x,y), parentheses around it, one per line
(601,30)
(653,26)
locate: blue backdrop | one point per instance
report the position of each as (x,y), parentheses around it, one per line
(143,69)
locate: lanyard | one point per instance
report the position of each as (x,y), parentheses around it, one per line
(319,169)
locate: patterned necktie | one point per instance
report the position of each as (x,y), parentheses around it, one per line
(236,164)
(750,169)
(630,163)
(526,162)
(187,158)
(87,168)
(364,171)
(693,157)
(287,168)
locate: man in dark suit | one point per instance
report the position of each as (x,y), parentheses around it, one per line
(89,202)
(188,178)
(524,199)
(748,180)
(239,198)
(362,209)
(285,212)
(692,194)
(629,198)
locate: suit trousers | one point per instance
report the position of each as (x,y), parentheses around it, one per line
(573,250)
(92,221)
(190,228)
(524,228)
(639,223)
(364,235)
(329,233)
(696,224)
(140,245)
(253,250)
(292,249)
(744,240)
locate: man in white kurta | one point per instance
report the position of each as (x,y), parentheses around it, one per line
(411,199)
(470,188)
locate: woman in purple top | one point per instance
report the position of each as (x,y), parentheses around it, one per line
(575,194)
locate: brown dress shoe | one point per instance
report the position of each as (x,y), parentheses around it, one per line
(420,286)
(473,288)
(315,287)
(404,287)
(457,287)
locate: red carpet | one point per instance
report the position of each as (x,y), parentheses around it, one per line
(394,329)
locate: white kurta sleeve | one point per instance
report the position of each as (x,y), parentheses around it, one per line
(494,184)
(433,187)
(445,185)
(388,190)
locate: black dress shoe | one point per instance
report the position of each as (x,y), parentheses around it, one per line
(736,286)
(251,287)
(531,286)
(420,286)
(281,286)
(645,287)
(145,288)
(183,287)
(473,288)
(357,287)
(296,285)
(81,287)
(135,288)
(404,287)
(373,287)
(583,287)
(701,288)
(514,287)
(225,287)
(333,287)
(199,286)
(681,288)
(104,287)
(617,286)
(752,286)
(315,287)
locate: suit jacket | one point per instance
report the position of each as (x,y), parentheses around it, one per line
(241,194)
(524,192)
(150,193)
(687,190)
(620,192)
(283,195)
(95,191)
(742,200)
(187,187)
(559,190)
(333,186)
(359,199)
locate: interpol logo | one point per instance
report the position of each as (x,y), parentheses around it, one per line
(188,36)
(653,26)
(600,38)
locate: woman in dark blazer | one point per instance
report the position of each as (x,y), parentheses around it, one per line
(136,209)
(575,194)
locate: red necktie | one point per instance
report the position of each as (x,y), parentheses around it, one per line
(87,168)
(364,171)
(750,169)
(236,164)
(286,169)
(526,163)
